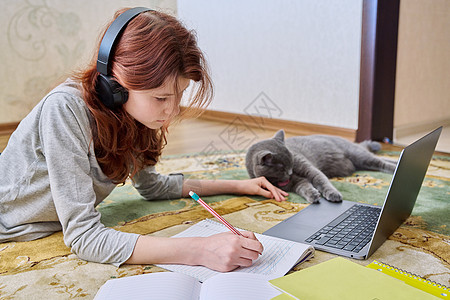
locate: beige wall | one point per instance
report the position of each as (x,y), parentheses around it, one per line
(422,98)
(42,41)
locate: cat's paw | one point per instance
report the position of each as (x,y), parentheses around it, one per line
(314,200)
(333,196)
(314,197)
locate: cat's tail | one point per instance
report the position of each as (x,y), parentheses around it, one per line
(372,146)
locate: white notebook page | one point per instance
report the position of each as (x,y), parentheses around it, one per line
(238,286)
(177,286)
(163,285)
(278,257)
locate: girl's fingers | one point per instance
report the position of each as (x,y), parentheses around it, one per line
(276,193)
(244,262)
(251,243)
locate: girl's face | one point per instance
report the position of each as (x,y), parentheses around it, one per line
(156,107)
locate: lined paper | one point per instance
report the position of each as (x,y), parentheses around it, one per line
(278,258)
(155,285)
(176,286)
(238,286)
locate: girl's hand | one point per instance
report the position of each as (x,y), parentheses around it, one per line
(262,187)
(227,251)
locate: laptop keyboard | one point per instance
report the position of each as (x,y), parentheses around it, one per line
(351,231)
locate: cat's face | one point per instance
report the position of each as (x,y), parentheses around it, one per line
(272,160)
(276,167)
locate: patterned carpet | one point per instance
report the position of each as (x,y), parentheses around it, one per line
(46,268)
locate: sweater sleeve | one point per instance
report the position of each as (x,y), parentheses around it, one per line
(66,151)
(152,185)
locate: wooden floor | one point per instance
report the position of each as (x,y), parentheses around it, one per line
(205,136)
(199,135)
(3,141)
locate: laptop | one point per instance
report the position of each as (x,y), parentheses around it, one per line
(354,229)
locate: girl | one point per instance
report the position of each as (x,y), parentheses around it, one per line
(71,151)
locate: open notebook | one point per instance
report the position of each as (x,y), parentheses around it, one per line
(171,285)
(278,257)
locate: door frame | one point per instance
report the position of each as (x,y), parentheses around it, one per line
(378,69)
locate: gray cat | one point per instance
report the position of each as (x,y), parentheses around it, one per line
(303,164)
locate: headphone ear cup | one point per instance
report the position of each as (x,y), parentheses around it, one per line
(110,92)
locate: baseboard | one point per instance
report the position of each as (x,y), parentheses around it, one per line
(292,127)
(411,129)
(8,128)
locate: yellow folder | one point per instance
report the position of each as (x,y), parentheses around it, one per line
(339,278)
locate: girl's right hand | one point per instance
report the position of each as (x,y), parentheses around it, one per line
(226,251)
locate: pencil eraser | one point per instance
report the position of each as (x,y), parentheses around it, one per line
(194,195)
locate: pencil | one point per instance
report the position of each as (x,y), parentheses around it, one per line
(214,213)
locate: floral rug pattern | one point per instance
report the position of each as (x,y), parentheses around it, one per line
(46,268)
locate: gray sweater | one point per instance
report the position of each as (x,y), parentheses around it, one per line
(51,181)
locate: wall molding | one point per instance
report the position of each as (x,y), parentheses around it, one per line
(8,128)
(292,127)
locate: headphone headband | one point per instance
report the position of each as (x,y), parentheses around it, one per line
(111,35)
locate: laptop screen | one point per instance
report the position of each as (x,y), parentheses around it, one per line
(405,186)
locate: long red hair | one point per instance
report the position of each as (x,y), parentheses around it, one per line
(152,48)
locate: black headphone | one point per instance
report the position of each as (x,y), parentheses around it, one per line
(109,91)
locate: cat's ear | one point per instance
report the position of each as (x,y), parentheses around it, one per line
(265,158)
(279,135)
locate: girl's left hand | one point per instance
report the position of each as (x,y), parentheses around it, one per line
(262,187)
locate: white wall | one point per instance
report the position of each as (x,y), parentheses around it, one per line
(304,56)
